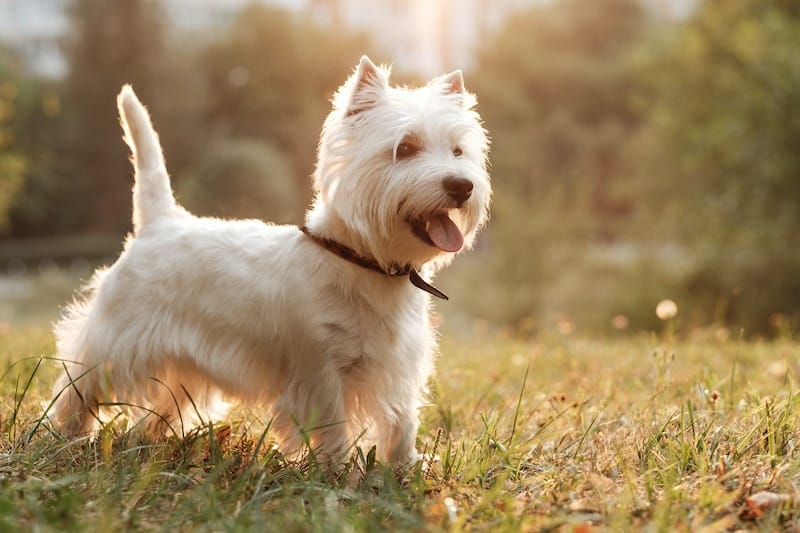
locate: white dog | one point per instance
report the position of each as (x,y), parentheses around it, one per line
(327,324)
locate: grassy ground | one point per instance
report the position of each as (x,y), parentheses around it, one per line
(552,434)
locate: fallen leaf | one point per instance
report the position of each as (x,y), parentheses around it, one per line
(758,504)
(435,514)
(723,524)
(582,505)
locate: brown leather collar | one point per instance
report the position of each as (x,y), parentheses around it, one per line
(393,271)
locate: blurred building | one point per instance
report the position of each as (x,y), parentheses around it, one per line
(33,29)
(433,36)
(210,15)
(672,9)
(423,36)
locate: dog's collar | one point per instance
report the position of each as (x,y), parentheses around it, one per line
(393,271)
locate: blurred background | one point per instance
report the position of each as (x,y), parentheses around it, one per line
(642,149)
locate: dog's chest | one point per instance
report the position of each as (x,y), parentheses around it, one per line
(367,339)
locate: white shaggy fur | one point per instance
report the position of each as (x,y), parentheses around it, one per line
(197,310)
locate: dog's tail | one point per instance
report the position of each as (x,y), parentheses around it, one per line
(152,194)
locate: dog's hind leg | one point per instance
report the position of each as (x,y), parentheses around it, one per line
(76,409)
(79,389)
(180,400)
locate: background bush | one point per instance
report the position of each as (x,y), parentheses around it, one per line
(243,179)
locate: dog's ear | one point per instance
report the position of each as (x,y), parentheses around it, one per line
(454,84)
(367,85)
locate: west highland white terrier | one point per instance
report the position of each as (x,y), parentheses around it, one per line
(328,325)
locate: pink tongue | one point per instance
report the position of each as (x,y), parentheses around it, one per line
(445,234)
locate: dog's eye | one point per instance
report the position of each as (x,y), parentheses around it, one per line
(457,151)
(406,150)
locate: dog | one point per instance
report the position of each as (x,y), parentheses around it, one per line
(327,325)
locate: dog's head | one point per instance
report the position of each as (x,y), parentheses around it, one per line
(404,170)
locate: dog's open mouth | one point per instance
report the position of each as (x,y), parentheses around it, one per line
(438,230)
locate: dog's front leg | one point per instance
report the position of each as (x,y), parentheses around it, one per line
(310,412)
(399,441)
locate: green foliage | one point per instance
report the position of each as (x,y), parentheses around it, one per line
(636,160)
(39,208)
(29,141)
(553,90)
(243,179)
(12,176)
(556,92)
(723,177)
(266,77)
(270,77)
(12,164)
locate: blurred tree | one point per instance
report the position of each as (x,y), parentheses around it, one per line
(243,179)
(555,91)
(39,208)
(724,172)
(269,76)
(266,78)
(111,43)
(692,123)
(12,164)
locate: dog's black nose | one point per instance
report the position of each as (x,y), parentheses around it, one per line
(459,189)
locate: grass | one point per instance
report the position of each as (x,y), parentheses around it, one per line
(557,433)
